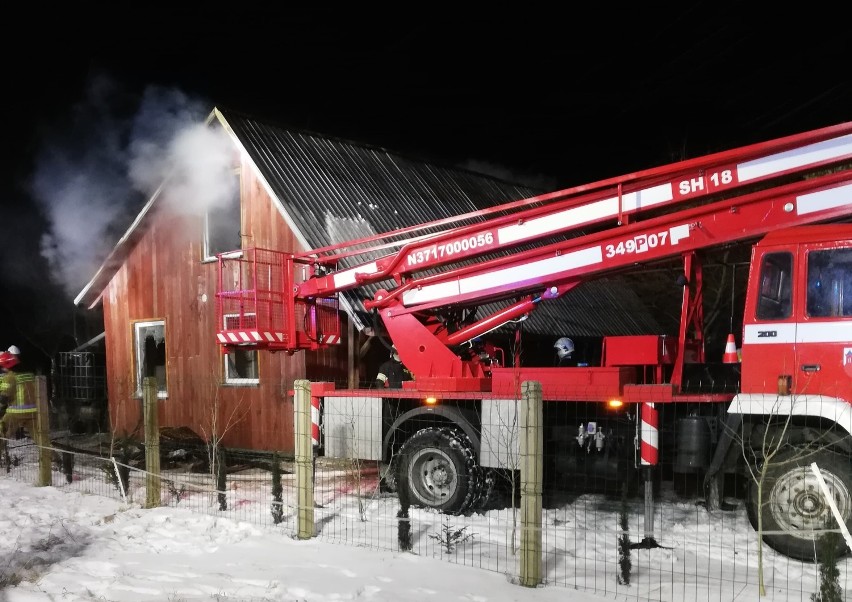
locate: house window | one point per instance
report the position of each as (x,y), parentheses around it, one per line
(222,224)
(149,347)
(240,362)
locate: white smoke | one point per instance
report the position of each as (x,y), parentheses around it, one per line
(95,173)
(171,143)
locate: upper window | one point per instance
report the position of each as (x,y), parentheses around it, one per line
(149,346)
(775,300)
(222,225)
(830,283)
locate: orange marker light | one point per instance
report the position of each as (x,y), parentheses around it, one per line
(614,403)
(430,401)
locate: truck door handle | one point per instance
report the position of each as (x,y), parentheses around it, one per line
(810,367)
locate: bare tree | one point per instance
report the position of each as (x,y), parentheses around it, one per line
(502,440)
(214,433)
(785,504)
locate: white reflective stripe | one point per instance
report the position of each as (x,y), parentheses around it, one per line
(676,233)
(840,196)
(647,197)
(381,377)
(431,292)
(798,157)
(765,404)
(347,277)
(506,277)
(558,221)
(592,211)
(835,331)
(824,332)
(250,336)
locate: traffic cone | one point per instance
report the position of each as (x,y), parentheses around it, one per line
(730,356)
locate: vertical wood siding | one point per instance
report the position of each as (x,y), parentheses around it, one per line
(164,278)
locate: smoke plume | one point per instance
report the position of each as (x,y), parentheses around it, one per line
(95,172)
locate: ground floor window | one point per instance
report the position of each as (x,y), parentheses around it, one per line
(149,345)
(241,367)
(240,362)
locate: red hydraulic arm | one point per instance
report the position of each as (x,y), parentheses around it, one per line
(604,204)
(288,302)
(547,272)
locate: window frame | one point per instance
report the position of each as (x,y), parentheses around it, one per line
(826,286)
(138,336)
(207,254)
(235,380)
(775,287)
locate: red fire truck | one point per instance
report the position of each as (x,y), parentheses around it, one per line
(786,394)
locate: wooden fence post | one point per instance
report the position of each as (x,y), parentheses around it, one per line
(152,442)
(532,462)
(42,433)
(304,459)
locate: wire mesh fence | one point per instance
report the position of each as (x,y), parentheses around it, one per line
(606,525)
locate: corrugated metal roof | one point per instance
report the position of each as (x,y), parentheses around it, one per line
(335,190)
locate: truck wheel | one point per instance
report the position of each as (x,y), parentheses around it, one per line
(438,468)
(793,501)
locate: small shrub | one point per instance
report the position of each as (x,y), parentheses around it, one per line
(110,477)
(404,524)
(9,579)
(450,536)
(624,562)
(221,478)
(68,466)
(829,575)
(177,494)
(277,491)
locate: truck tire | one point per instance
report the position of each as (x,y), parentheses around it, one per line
(793,501)
(438,468)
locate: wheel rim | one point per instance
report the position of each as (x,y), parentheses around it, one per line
(432,477)
(798,505)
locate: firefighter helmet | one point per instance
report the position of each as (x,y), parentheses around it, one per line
(564,346)
(8,360)
(14,350)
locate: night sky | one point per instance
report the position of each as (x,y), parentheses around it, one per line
(551,99)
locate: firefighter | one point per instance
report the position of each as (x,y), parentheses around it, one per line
(392,373)
(8,385)
(564,352)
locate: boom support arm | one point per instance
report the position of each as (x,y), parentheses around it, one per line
(612,202)
(550,269)
(285,301)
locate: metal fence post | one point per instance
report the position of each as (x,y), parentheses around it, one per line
(532,461)
(42,433)
(304,457)
(152,442)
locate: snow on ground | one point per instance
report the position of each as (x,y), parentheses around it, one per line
(81,540)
